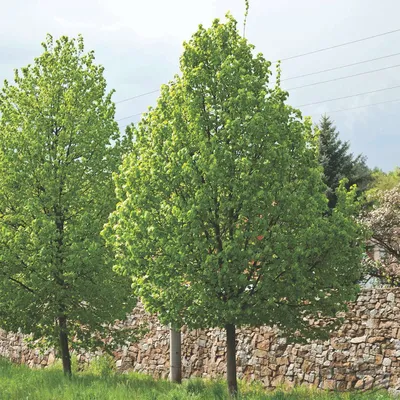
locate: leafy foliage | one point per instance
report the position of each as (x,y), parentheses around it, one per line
(59,147)
(382,181)
(339,163)
(220,214)
(384,223)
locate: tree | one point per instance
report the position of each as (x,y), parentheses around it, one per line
(382,181)
(59,147)
(338,162)
(175,355)
(220,219)
(383,220)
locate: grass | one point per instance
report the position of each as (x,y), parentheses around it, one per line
(18,382)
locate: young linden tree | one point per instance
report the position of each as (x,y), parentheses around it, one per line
(58,149)
(222,214)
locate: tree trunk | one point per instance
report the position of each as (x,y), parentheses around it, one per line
(175,355)
(231,360)
(65,356)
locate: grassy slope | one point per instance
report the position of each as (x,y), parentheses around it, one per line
(21,383)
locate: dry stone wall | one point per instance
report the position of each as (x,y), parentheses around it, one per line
(363,353)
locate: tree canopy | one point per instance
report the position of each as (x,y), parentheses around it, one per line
(382,181)
(383,220)
(339,163)
(220,219)
(59,147)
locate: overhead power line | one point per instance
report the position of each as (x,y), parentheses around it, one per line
(338,45)
(297,56)
(300,76)
(124,126)
(348,97)
(339,110)
(137,96)
(340,67)
(130,116)
(307,104)
(343,77)
(312,73)
(355,108)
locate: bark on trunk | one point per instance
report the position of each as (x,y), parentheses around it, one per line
(231,360)
(64,348)
(175,355)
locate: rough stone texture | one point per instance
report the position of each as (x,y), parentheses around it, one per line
(363,353)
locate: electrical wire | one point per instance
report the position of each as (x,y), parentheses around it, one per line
(340,67)
(137,96)
(355,108)
(335,111)
(298,87)
(129,116)
(348,97)
(302,55)
(312,73)
(315,103)
(343,77)
(338,45)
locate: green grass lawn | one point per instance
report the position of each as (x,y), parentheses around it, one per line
(22,383)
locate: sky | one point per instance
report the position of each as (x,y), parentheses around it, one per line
(139,44)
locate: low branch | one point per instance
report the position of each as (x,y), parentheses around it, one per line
(21,284)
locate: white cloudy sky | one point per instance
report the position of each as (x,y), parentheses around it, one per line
(139,43)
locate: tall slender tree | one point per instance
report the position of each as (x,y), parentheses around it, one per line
(220,219)
(338,162)
(59,146)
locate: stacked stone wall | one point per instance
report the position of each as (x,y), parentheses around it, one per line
(364,353)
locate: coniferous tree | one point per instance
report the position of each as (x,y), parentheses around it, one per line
(338,162)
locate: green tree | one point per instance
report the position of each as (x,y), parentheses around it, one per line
(338,162)
(220,215)
(382,181)
(383,220)
(59,147)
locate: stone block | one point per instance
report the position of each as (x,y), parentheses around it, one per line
(276,381)
(282,360)
(359,384)
(390,297)
(386,362)
(376,339)
(378,359)
(359,339)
